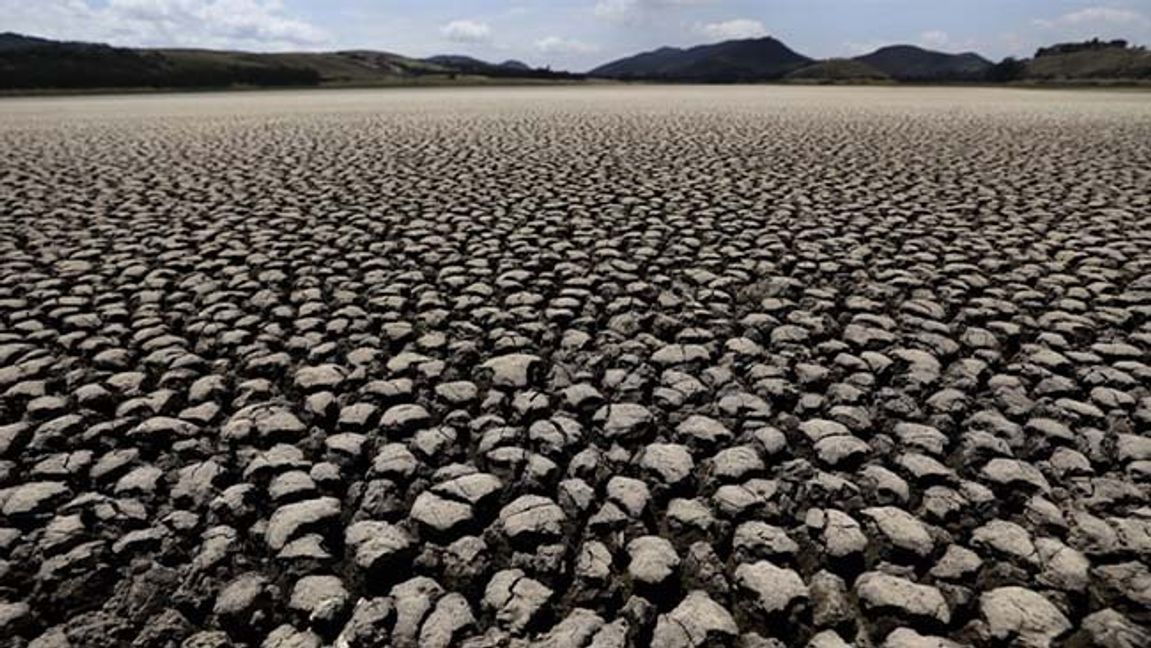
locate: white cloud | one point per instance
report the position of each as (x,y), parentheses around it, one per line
(614,9)
(1090,16)
(1093,22)
(557,45)
(260,24)
(733,29)
(934,38)
(626,9)
(467,31)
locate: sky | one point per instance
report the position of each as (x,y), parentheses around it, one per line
(580,34)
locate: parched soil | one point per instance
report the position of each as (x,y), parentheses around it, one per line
(576,367)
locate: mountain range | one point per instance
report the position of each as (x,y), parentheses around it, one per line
(767,59)
(760,59)
(735,60)
(911,63)
(29,62)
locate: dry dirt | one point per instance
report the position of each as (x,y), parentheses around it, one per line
(576,367)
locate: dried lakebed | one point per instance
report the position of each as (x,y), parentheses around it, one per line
(578,367)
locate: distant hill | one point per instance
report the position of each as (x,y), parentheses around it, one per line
(1084,46)
(838,70)
(29,62)
(753,59)
(471,65)
(10,42)
(1091,60)
(767,59)
(911,63)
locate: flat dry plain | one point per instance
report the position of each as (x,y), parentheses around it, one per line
(576,367)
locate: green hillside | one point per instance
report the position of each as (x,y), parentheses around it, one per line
(30,63)
(1110,63)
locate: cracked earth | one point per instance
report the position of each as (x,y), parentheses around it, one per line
(576,368)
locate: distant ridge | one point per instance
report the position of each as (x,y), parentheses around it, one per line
(912,63)
(11,42)
(35,63)
(1092,59)
(768,59)
(30,63)
(753,59)
(474,65)
(765,59)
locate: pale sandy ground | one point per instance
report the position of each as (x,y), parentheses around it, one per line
(1132,103)
(576,367)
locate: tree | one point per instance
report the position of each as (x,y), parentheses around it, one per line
(1009,69)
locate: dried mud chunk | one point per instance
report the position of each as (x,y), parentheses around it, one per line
(13,437)
(631,495)
(904,531)
(460,392)
(286,636)
(882,593)
(1023,616)
(321,599)
(319,378)
(162,430)
(840,534)
(841,451)
(197,483)
(368,625)
(624,421)
(413,600)
(516,600)
(465,562)
(244,603)
(653,560)
(1127,584)
(1014,473)
(292,520)
(441,515)
(770,591)
(33,498)
(513,371)
(264,421)
(1063,567)
(612,635)
(957,563)
(405,418)
(759,540)
(831,607)
(531,518)
(736,464)
(575,631)
(1110,629)
(696,621)
(447,622)
(908,638)
(669,463)
(378,546)
(1005,538)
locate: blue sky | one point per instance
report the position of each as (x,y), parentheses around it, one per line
(579,34)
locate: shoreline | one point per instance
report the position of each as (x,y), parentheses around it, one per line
(1109,85)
